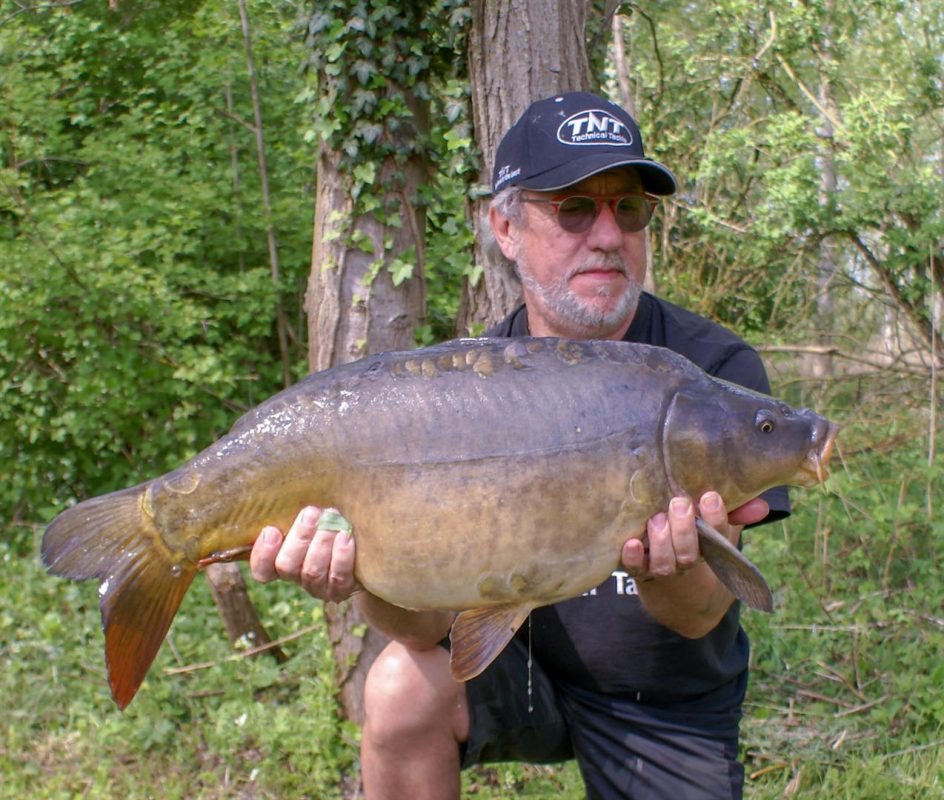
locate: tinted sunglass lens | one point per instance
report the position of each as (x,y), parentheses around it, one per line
(633,213)
(576,214)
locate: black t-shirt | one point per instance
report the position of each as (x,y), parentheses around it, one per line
(605,641)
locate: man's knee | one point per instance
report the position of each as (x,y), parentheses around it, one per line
(409,691)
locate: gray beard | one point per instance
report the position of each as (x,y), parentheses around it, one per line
(579,314)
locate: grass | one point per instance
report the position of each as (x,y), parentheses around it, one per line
(845,699)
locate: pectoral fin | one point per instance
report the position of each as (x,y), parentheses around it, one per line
(733,568)
(480,634)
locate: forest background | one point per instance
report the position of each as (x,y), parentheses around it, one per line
(158,278)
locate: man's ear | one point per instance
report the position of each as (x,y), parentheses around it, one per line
(505,232)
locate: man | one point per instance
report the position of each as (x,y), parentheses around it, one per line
(641,679)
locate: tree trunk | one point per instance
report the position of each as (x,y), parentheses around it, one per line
(352,304)
(226,580)
(622,69)
(239,615)
(354,309)
(280,320)
(519,52)
(827,267)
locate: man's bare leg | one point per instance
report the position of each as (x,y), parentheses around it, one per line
(415,717)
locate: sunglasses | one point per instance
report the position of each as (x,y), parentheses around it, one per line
(577,212)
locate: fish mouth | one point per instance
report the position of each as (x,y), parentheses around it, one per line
(813,469)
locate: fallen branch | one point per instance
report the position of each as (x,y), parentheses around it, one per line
(857,709)
(772,768)
(809,695)
(816,628)
(909,750)
(248,653)
(878,361)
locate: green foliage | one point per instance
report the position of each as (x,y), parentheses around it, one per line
(137,320)
(845,696)
(448,259)
(133,269)
(756,106)
(388,93)
(373,62)
(240,724)
(449,240)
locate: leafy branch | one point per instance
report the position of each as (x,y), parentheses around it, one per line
(23,8)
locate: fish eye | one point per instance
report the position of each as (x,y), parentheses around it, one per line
(764,421)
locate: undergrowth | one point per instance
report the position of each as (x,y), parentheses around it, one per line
(845,698)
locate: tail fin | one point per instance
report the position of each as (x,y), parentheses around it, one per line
(110,538)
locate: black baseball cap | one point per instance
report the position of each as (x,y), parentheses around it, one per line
(563,139)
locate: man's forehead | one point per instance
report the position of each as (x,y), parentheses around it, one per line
(611,180)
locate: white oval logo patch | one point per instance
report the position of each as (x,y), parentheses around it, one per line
(594,127)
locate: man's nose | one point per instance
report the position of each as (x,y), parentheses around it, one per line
(605,234)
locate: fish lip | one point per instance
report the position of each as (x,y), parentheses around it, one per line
(813,469)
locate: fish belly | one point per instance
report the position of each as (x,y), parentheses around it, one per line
(498,530)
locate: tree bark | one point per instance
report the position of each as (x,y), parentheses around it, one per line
(226,580)
(280,320)
(827,265)
(354,309)
(621,67)
(240,619)
(519,52)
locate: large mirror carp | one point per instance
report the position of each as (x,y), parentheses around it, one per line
(486,476)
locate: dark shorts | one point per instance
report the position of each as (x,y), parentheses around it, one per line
(624,748)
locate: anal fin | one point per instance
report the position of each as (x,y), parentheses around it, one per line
(733,568)
(480,634)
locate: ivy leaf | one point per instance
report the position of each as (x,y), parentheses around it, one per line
(401,268)
(365,173)
(363,70)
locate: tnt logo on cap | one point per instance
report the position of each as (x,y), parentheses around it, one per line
(594,127)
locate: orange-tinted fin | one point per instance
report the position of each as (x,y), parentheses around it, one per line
(733,568)
(225,556)
(110,538)
(480,634)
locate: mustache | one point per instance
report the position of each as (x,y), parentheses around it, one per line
(609,261)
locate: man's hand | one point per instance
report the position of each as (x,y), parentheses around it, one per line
(673,540)
(694,604)
(321,562)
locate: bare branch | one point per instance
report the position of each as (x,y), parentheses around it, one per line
(248,653)
(235,118)
(655,45)
(930,336)
(827,114)
(281,324)
(877,361)
(715,219)
(22,8)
